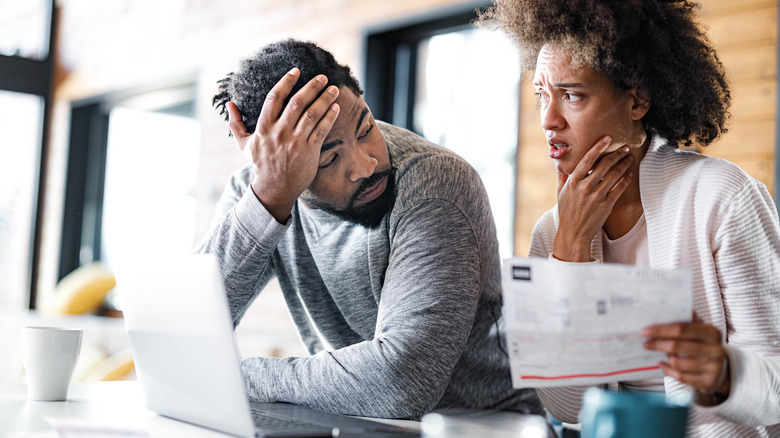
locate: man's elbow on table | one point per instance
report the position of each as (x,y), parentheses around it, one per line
(406,398)
(397,389)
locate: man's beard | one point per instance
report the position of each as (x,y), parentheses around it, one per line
(367,215)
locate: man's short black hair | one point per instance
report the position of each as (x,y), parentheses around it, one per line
(248,87)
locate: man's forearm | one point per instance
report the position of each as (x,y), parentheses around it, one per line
(243,241)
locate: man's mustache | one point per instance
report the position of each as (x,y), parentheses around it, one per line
(368,183)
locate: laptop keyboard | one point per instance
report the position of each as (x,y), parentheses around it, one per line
(269,425)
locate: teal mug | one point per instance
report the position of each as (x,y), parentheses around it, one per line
(608,414)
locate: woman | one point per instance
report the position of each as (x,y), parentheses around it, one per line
(621,85)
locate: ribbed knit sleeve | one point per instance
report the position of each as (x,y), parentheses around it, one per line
(709,215)
(243,237)
(747,257)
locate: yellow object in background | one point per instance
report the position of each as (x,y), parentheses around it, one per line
(81,291)
(118,366)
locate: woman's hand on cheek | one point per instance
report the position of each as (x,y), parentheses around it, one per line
(586,198)
(696,357)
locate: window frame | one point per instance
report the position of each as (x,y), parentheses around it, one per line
(390,71)
(35,77)
(390,54)
(86,168)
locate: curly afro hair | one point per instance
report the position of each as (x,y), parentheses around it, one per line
(655,45)
(248,87)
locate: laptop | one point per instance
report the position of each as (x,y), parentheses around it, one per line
(181,336)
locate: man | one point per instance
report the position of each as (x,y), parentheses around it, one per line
(383,244)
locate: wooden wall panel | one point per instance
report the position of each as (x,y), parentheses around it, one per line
(745,35)
(715,7)
(738,29)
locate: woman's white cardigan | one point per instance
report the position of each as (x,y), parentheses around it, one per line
(708,214)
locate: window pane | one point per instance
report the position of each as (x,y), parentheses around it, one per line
(151,169)
(24,28)
(20,139)
(467,100)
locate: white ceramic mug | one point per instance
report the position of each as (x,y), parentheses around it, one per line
(49,355)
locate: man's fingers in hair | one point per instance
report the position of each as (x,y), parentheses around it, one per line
(324,126)
(235,124)
(311,118)
(274,100)
(307,106)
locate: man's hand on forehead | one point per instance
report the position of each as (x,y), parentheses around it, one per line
(285,146)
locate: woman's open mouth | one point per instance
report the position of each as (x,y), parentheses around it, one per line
(558,150)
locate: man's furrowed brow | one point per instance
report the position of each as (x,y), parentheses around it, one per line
(360,119)
(330,145)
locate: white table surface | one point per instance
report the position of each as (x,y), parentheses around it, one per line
(116,409)
(119,405)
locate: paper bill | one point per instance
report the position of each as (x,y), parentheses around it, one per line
(580,323)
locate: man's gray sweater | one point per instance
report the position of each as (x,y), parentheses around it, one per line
(400,319)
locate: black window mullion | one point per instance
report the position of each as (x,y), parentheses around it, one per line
(403,102)
(379,77)
(24,75)
(93,189)
(35,77)
(34,261)
(84,188)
